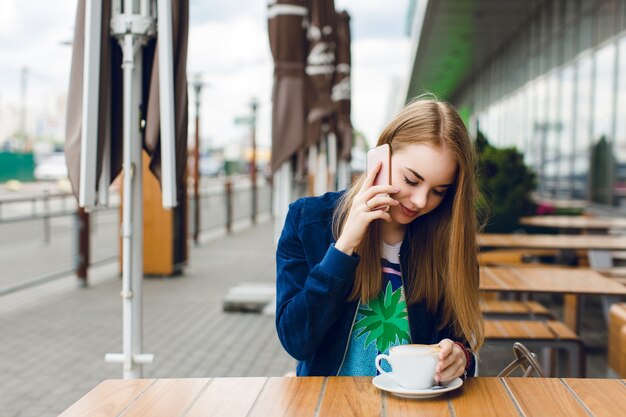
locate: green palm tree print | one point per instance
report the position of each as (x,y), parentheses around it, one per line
(384,318)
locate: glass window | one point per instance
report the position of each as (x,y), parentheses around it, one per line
(582,126)
(551,131)
(585,34)
(571,10)
(619,185)
(602,140)
(569,44)
(606,16)
(567,130)
(539,131)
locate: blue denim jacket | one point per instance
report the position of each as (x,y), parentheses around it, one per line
(313,318)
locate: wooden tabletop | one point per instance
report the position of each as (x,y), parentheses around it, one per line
(583,242)
(575,222)
(348,396)
(581,281)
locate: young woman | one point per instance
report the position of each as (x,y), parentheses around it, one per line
(353,280)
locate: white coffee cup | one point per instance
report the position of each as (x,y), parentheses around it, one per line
(413,366)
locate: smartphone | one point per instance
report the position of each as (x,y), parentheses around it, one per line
(380,153)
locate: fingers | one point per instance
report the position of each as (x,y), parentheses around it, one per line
(378,189)
(378,214)
(371,176)
(381,200)
(446,346)
(451,361)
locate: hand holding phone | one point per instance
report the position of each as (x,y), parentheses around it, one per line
(380,154)
(371,202)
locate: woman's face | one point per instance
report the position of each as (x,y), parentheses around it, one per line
(423,173)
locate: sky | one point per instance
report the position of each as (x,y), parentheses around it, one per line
(228,48)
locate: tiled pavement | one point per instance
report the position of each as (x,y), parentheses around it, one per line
(53,338)
(53,341)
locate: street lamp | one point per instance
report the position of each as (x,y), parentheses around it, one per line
(254,104)
(197,85)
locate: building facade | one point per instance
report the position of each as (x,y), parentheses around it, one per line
(547,77)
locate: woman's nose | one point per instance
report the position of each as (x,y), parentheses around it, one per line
(420,197)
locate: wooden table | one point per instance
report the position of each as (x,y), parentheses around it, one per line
(577,281)
(574,242)
(575,222)
(571,282)
(348,396)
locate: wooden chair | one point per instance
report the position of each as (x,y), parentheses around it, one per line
(524,359)
(546,335)
(503,309)
(617,339)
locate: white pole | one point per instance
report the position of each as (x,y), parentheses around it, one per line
(131,32)
(137,221)
(321,174)
(166,99)
(343,175)
(332,162)
(282,192)
(91,87)
(127,214)
(312,164)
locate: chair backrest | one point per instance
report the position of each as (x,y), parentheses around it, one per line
(524,359)
(617,347)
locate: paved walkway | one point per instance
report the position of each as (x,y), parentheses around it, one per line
(54,336)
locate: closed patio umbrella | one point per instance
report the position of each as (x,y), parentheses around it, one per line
(288,43)
(341,96)
(111,88)
(320,71)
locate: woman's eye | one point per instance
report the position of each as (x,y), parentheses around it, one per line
(408,181)
(439,193)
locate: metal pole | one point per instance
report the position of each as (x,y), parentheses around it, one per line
(196,170)
(131,30)
(253,106)
(136,370)
(82,265)
(23,88)
(228,188)
(46,216)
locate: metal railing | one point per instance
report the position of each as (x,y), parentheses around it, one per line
(39,233)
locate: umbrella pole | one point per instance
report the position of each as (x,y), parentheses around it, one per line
(132,267)
(132,214)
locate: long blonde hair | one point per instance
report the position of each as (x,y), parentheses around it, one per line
(442,264)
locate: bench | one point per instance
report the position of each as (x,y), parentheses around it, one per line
(502,309)
(535,334)
(617,339)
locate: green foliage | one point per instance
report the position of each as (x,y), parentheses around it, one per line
(505,184)
(385,319)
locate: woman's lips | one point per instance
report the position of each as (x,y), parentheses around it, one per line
(407,212)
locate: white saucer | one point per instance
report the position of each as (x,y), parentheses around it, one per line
(386,382)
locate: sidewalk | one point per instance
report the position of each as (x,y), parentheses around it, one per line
(55,338)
